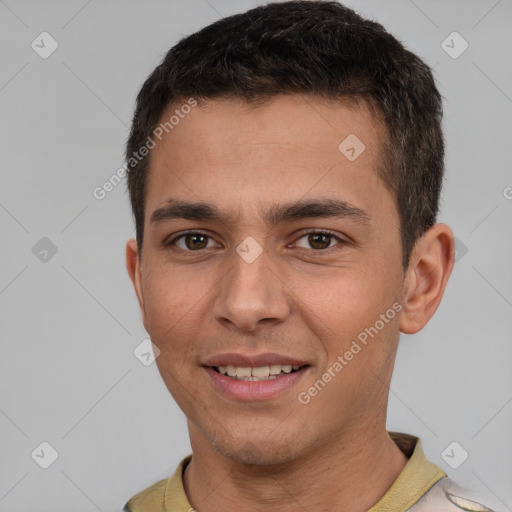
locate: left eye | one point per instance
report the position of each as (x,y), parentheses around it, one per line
(319,240)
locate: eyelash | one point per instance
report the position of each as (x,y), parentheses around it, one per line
(337,246)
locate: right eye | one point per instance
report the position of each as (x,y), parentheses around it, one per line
(190,241)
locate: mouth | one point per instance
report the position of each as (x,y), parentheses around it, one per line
(257,373)
(260,378)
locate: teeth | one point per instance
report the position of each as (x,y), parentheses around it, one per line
(275,369)
(256,373)
(260,371)
(243,372)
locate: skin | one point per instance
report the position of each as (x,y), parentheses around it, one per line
(295,299)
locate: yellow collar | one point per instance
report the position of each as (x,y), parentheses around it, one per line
(417,477)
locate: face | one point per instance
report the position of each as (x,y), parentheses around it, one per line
(293,263)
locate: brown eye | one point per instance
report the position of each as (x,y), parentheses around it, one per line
(192,241)
(319,240)
(196,241)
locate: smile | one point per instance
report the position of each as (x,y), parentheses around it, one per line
(256,383)
(257,373)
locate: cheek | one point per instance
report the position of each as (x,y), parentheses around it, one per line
(173,325)
(167,290)
(348,301)
(354,315)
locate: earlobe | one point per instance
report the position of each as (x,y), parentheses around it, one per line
(134,271)
(430,267)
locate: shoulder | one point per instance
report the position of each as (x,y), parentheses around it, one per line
(150,499)
(165,495)
(446,496)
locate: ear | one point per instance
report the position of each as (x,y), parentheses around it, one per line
(133,265)
(430,267)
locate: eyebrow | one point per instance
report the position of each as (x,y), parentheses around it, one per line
(275,214)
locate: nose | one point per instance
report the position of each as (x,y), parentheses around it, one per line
(251,293)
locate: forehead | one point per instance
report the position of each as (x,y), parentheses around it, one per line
(231,151)
(227,126)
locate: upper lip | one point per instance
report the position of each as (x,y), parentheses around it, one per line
(252,360)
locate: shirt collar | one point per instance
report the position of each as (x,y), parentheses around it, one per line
(417,477)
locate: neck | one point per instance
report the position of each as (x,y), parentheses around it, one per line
(351,473)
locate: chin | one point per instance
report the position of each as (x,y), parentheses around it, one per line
(260,450)
(256,438)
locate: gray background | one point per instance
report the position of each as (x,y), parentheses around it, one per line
(70,323)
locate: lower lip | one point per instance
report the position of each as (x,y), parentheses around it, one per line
(255,390)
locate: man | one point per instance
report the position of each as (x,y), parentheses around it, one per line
(285,172)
